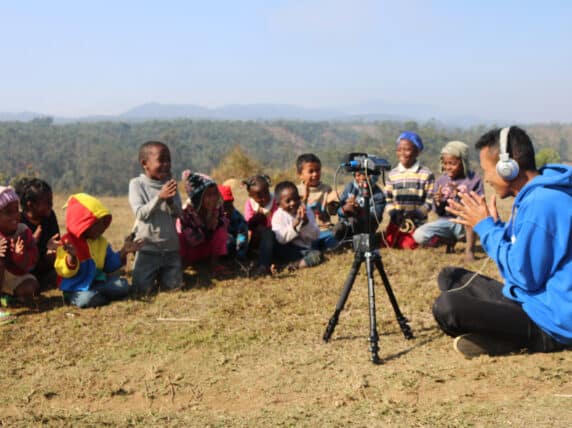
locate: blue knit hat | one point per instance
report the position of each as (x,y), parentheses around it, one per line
(412,137)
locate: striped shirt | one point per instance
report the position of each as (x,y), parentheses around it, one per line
(410,189)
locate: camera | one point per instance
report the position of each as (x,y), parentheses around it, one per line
(363,162)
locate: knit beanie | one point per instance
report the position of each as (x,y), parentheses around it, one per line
(412,137)
(459,150)
(7,195)
(195,186)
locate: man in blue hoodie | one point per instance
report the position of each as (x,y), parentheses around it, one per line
(532,310)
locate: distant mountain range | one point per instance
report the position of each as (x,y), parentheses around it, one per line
(375,110)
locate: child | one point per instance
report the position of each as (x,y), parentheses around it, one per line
(85,260)
(258,211)
(318,196)
(237,241)
(456,179)
(156,203)
(295,228)
(351,212)
(202,226)
(18,251)
(36,202)
(409,192)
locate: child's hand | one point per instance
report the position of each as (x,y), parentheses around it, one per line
(350,206)
(3,246)
(438,196)
(37,233)
(306,193)
(302,215)
(68,248)
(18,246)
(53,243)
(130,246)
(169,190)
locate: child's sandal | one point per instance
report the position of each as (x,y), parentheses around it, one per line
(6,318)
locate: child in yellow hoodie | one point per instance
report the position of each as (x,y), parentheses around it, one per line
(85,260)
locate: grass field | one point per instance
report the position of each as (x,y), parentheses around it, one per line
(249,352)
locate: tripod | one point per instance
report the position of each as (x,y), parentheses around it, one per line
(364,252)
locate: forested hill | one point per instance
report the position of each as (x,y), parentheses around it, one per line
(100,158)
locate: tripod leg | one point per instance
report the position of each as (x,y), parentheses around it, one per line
(402,321)
(373,336)
(358,259)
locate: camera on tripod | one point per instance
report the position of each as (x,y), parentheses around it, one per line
(366,196)
(362,162)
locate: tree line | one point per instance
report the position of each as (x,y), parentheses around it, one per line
(100,158)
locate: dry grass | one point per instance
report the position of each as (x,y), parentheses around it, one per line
(248,352)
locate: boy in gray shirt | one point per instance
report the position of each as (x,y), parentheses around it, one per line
(156,203)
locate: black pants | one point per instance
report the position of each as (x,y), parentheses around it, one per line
(480,307)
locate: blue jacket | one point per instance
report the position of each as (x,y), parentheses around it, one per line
(533,250)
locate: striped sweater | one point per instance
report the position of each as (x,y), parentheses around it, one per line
(410,189)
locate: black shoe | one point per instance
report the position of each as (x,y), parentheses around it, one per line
(472,345)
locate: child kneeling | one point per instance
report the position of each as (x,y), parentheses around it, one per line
(85,260)
(202,227)
(295,228)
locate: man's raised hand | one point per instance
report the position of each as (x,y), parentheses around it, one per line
(471,210)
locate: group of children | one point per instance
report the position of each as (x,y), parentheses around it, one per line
(290,225)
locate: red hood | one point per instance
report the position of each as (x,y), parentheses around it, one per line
(82,212)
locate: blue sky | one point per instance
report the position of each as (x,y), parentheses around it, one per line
(492,59)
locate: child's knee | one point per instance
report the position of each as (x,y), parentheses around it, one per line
(27,290)
(419,236)
(87,299)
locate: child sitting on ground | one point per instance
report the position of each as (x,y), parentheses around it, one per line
(202,226)
(156,203)
(295,228)
(258,211)
(36,202)
(456,179)
(237,241)
(409,193)
(352,214)
(18,250)
(85,260)
(318,196)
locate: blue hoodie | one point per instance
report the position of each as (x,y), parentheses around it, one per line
(533,250)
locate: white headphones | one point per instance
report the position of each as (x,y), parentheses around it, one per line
(507,168)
